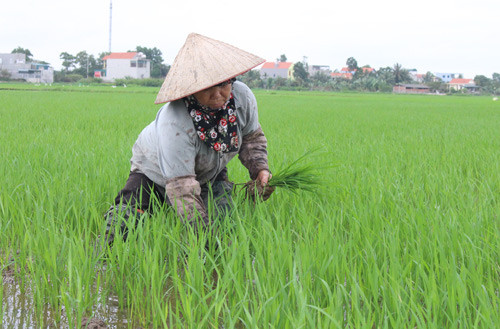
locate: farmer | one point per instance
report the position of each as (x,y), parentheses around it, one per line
(208,119)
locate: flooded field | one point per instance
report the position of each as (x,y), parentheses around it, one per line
(19,310)
(404,233)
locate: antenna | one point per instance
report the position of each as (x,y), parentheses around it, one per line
(110,17)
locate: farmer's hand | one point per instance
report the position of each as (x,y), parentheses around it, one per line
(263,188)
(263,177)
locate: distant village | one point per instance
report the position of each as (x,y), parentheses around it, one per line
(279,73)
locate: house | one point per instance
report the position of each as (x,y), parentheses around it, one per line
(122,65)
(463,84)
(368,70)
(346,70)
(417,77)
(410,89)
(447,77)
(277,69)
(341,75)
(319,69)
(17,68)
(345,73)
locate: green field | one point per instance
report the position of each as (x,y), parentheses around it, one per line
(405,232)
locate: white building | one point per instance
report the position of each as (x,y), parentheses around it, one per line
(447,77)
(15,67)
(122,65)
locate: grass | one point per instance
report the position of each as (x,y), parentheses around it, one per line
(404,235)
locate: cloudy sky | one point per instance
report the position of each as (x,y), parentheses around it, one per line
(459,36)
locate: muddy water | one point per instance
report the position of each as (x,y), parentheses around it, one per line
(18,310)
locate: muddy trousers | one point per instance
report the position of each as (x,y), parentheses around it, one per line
(141,195)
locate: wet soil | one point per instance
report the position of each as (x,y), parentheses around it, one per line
(92,323)
(18,309)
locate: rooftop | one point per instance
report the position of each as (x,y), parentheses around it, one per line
(128,55)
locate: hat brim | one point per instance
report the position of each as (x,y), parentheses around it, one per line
(202,63)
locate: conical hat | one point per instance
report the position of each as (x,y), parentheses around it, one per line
(202,63)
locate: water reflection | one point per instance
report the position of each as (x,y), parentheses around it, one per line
(18,310)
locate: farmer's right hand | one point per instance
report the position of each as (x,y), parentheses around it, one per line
(263,187)
(263,177)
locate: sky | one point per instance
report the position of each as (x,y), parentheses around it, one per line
(445,36)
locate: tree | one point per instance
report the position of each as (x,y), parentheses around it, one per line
(280,82)
(482,81)
(495,84)
(352,64)
(401,74)
(320,78)
(386,75)
(86,64)
(99,59)
(158,69)
(68,61)
(283,58)
(19,50)
(437,86)
(252,79)
(428,77)
(82,63)
(4,75)
(300,72)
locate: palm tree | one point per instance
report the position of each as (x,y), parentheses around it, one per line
(386,75)
(401,74)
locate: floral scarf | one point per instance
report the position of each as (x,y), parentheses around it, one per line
(217,128)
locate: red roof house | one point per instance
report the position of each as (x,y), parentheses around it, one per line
(277,69)
(341,75)
(128,55)
(121,65)
(460,84)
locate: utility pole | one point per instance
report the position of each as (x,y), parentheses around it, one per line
(110,18)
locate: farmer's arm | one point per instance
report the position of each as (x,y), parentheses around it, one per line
(253,150)
(253,155)
(176,157)
(184,194)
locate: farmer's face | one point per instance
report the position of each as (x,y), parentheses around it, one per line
(214,97)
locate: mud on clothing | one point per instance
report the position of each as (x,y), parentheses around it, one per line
(170,153)
(140,194)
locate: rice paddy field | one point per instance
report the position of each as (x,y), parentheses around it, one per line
(403,233)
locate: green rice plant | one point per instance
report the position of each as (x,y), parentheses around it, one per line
(402,232)
(300,175)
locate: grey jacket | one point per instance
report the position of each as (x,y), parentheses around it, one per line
(172,155)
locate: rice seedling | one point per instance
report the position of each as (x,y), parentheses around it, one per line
(402,230)
(298,175)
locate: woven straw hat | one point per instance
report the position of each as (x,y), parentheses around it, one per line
(202,63)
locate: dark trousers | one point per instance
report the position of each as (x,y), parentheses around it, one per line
(140,195)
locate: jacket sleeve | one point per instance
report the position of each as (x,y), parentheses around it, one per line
(184,194)
(253,152)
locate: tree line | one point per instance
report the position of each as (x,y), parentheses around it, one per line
(363,79)
(82,65)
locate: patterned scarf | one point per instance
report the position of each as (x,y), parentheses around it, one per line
(217,128)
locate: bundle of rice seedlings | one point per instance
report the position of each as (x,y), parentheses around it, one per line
(296,176)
